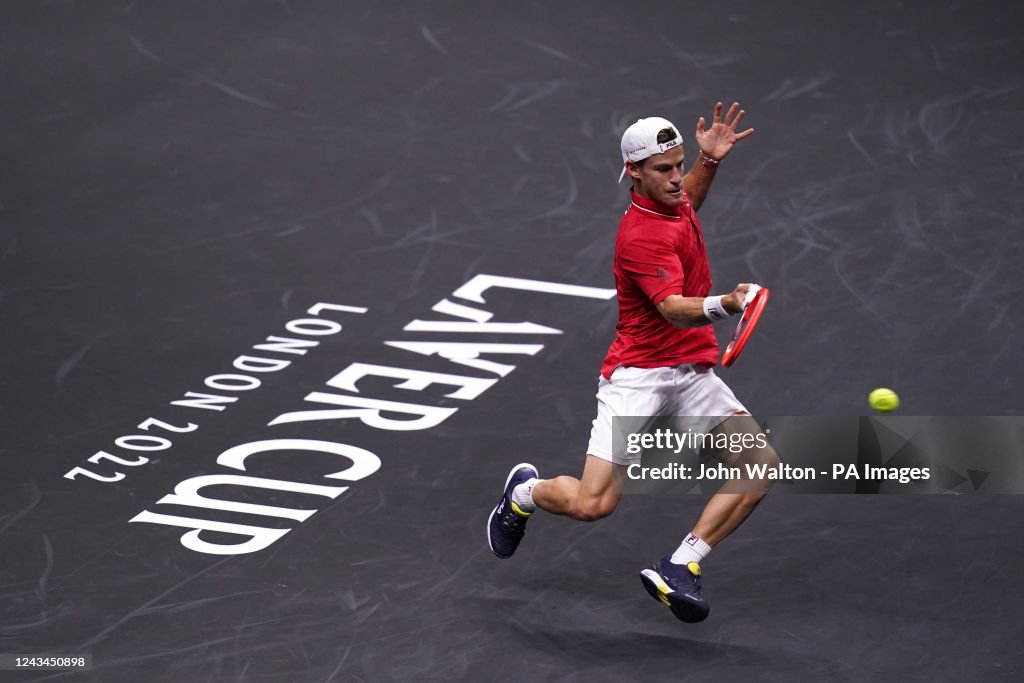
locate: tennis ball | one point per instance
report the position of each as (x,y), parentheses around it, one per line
(884,400)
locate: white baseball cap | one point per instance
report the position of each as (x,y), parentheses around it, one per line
(641,140)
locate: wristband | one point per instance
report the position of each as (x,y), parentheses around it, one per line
(705,160)
(714,310)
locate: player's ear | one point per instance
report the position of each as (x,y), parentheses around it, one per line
(632,169)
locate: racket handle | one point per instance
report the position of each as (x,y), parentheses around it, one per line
(752,291)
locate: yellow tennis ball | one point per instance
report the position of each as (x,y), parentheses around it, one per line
(884,400)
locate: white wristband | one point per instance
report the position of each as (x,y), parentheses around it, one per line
(714,310)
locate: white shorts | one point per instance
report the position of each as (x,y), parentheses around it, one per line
(690,390)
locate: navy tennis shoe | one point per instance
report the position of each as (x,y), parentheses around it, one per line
(507,523)
(678,586)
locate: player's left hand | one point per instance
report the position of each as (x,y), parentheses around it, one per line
(717,141)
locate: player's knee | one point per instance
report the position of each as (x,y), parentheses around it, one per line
(762,459)
(593,509)
(773,456)
(764,462)
(770,458)
(764,456)
(750,500)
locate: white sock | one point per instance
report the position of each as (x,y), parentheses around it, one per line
(522,495)
(692,549)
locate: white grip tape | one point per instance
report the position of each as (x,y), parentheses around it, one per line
(714,310)
(752,291)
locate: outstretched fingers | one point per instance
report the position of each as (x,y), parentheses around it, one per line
(731,117)
(723,128)
(739,117)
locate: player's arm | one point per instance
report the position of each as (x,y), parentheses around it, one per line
(715,143)
(697,311)
(697,181)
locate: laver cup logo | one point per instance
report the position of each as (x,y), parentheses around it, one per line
(343,398)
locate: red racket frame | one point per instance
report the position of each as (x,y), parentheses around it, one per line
(746,326)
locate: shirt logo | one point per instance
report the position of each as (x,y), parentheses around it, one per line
(661,273)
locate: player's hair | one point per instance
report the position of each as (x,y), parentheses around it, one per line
(666,134)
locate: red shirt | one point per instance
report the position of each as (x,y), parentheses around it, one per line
(659,251)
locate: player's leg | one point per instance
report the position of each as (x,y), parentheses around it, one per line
(737,498)
(598,490)
(629,392)
(675,579)
(593,496)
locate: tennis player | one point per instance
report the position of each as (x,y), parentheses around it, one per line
(660,362)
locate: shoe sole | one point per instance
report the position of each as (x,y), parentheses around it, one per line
(491,516)
(683,609)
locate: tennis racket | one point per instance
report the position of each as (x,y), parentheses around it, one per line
(745,327)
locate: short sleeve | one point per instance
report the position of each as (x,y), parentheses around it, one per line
(653,264)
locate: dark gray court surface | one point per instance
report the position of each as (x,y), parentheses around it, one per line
(182,180)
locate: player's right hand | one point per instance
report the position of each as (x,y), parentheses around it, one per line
(740,298)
